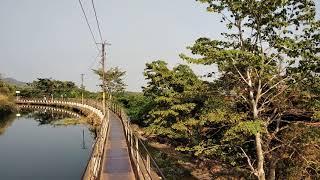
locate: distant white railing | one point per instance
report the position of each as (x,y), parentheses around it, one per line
(50,108)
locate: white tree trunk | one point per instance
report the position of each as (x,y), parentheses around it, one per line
(260,168)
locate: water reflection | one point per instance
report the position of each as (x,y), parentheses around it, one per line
(54,116)
(6,122)
(34,146)
(46,115)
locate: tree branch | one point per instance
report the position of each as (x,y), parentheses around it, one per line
(242,77)
(248,160)
(275,85)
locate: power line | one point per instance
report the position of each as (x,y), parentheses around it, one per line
(95,60)
(85,16)
(95,13)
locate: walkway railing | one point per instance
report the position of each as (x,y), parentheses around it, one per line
(145,166)
(50,108)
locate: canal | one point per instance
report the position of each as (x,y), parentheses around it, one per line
(38,145)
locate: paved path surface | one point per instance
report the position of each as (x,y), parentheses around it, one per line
(116,162)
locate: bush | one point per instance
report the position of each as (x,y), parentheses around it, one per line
(136,105)
(6,105)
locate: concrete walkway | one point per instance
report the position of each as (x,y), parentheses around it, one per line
(116,162)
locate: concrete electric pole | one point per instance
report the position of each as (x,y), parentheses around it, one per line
(82,88)
(103,79)
(103,59)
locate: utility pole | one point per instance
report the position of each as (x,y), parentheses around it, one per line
(103,79)
(103,57)
(82,88)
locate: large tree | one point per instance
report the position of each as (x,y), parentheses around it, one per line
(269,47)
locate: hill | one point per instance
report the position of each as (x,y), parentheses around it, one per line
(14,81)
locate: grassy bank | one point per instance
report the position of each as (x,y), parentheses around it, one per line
(70,121)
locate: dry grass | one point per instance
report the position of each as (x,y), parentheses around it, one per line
(6,104)
(70,121)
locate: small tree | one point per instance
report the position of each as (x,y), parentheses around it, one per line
(113,78)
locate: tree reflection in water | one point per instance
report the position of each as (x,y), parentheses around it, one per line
(5,122)
(48,116)
(45,116)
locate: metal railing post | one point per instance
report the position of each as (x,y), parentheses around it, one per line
(128,125)
(137,154)
(131,144)
(148,166)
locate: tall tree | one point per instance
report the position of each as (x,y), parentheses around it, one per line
(266,40)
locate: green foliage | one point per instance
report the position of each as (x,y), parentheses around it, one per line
(7,105)
(247,128)
(48,87)
(316,116)
(137,106)
(177,98)
(6,98)
(268,64)
(223,116)
(113,79)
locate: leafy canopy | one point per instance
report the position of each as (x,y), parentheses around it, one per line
(113,78)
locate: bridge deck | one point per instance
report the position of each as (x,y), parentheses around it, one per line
(116,161)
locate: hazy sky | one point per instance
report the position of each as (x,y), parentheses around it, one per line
(50,38)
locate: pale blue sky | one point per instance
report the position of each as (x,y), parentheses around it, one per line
(49,38)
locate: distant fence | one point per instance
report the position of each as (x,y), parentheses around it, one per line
(55,109)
